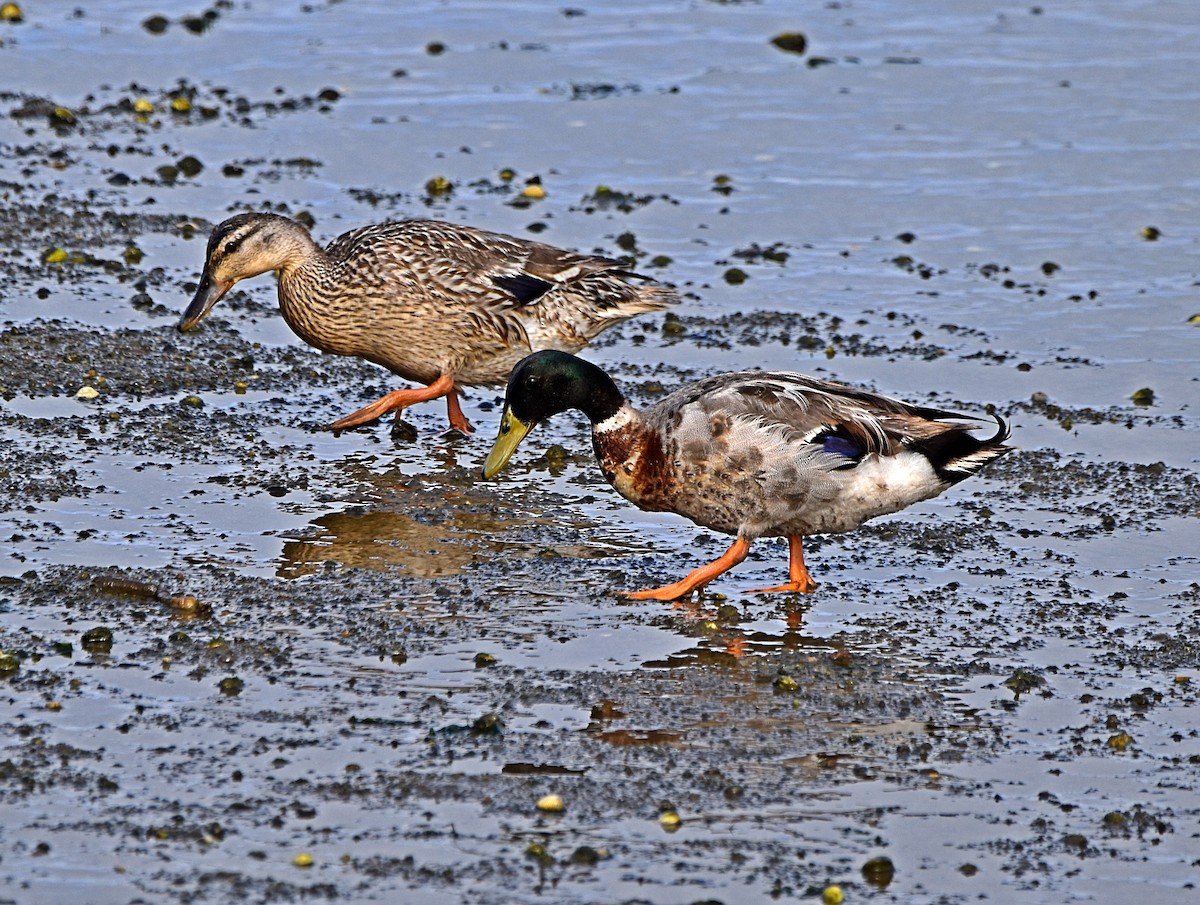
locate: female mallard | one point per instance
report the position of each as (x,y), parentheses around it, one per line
(436,303)
(752,454)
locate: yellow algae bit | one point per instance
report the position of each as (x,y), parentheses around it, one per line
(304,859)
(533,190)
(10,12)
(551,803)
(833,895)
(181,105)
(1120,741)
(439,185)
(142,105)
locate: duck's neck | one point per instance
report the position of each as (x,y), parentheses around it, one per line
(617,428)
(308,286)
(589,389)
(621,441)
(295,253)
(617,421)
(618,438)
(631,457)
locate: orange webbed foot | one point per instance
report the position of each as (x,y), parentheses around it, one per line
(667,593)
(789,587)
(458,421)
(696,580)
(799,581)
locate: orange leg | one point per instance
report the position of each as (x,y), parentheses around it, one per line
(800,582)
(698,579)
(397,400)
(458,420)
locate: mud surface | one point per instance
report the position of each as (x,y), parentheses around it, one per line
(246,660)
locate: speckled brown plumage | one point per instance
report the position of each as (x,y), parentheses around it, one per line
(753,454)
(433,302)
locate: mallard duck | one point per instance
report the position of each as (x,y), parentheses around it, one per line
(752,454)
(435,303)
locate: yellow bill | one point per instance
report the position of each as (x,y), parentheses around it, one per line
(512,432)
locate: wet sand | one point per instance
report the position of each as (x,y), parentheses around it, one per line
(229,640)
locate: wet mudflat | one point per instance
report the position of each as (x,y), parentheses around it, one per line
(247,660)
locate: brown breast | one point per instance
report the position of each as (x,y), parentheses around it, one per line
(634,462)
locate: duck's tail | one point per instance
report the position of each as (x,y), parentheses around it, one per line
(957,454)
(600,300)
(640,294)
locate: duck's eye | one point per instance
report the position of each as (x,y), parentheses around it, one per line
(231,247)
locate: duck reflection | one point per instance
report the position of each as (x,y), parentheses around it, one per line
(725,636)
(380,539)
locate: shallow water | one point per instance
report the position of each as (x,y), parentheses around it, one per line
(963,193)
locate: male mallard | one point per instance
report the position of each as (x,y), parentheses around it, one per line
(752,454)
(436,303)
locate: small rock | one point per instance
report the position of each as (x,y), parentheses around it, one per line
(785,684)
(879,872)
(1120,741)
(9,664)
(438,186)
(231,685)
(587,856)
(552,804)
(488,724)
(791,42)
(98,639)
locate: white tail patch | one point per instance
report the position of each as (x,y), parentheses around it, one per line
(971,463)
